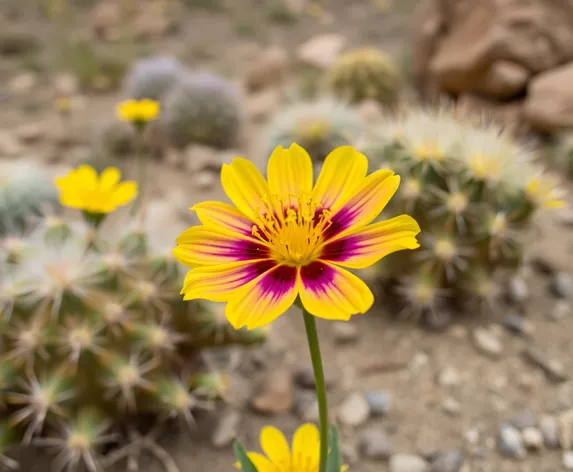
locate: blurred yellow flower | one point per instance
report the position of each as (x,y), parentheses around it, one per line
(83,189)
(286,238)
(138,112)
(63,104)
(278,457)
(543,190)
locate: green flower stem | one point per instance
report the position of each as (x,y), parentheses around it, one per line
(314,347)
(141,174)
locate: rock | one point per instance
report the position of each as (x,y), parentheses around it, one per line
(375,444)
(105,19)
(449,377)
(22,83)
(518,325)
(550,430)
(65,84)
(549,103)
(487,343)
(14,42)
(349,453)
(226,429)
(565,422)
(344,332)
(561,310)
(30,133)
(552,368)
(568,460)
(509,113)
(322,50)
(354,410)
(450,461)
(269,69)
(262,104)
(9,145)
(503,79)
(524,419)
(304,376)
(517,291)
(509,442)
(451,406)
(199,158)
(306,406)
(562,285)
(407,463)
(532,438)
(379,402)
(277,392)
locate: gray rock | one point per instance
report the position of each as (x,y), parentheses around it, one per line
(450,461)
(560,310)
(487,343)
(517,291)
(509,442)
(568,460)
(517,324)
(226,429)
(375,444)
(552,368)
(550,430)
(379,402)
(304,376)
(344,333)
(306,406)
(562,285)
(354,410)
(407,463)
(532,438)
(524,419)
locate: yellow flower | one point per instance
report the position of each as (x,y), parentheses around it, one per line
(544,191)
(84,190)
(285,238)
(278,457)
(138,112)
(63,104)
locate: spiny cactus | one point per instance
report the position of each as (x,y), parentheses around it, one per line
(362,74)
(474,191)
(318,126)
(202,108)
(152,77)
(25,190)
(95,333)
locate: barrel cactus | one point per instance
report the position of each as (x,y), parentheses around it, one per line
(94,335)
(475,192)
(25,191)
(152,77)
(362,74)
(318,126)
(202,108)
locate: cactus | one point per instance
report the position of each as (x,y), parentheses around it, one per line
(475,192)
(95,333)
(24,191)
(318,126)
(152,77)
(561,155)
(202,108)
(364,74)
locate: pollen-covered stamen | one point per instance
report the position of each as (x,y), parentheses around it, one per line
(485,167)
(428,150)
(292,226)
(457,203)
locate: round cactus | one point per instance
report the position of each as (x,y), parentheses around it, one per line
(318,126)
(95,334)
(202,108)
(364,74)
(25,191)
(152,77)
(474,192)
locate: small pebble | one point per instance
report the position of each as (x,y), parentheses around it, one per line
(450,461)
(517,324)
(517,291)
(379,402)
(562,285)
(568,460)
(524,419)
(449,377)
(354,410)
(550,430)
(451,406)
(226,429)
(552,368)
(304,376)
(532,438)
(509,442)
(560,310)
(375,444)
(344,333)
(306,406)
(487,343)
(407,463)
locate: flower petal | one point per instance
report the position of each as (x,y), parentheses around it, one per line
(306,448)
(217,283)
(261,463)
(85,178)
(289,171)
(366,246)
(244,185)
(365,205)
(200,245)
(275,446)
(124,193)
(333,293)
(224,217)
(343,171)
(264,299)
(109,177)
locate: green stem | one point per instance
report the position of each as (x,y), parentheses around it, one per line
(314,347)
(141,175)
